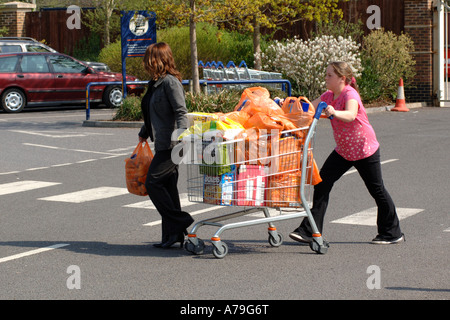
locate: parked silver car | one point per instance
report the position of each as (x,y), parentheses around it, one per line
(25,44)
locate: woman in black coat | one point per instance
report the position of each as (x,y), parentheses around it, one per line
(164,111)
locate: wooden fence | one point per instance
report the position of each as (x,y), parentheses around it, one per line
(50,24)
(391,16)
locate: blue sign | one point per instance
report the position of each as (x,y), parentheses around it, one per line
(138,30)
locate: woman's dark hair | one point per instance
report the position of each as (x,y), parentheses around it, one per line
(158,61)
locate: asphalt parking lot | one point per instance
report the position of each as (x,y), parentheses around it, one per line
(54,227)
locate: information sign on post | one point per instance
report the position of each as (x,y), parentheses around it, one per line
(138,31)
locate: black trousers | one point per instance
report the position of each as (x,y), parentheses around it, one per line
(161,184)
(370,171)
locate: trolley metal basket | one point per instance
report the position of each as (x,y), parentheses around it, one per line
(272,173)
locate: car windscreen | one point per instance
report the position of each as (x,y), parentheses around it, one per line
(8,64)
(10,48)
(63,64)
(34,48)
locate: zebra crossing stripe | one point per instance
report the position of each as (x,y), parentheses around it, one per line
(32,252)
(88,195)
(157,222)
(369,217)
(148,204)
(25,185)
(184,201)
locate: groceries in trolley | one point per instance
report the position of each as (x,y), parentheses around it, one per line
(252,156)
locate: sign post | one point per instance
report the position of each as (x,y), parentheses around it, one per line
(138,31)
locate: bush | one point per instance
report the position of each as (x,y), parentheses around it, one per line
(130,110)
(224,101)
(213,45)
(390,59)
(305,62)
(112,56)
(369,86)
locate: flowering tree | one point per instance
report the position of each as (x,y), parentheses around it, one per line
(252,15)
(305,62)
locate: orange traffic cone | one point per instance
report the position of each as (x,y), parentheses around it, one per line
(400,104)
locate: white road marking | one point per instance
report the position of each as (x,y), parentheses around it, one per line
(157,222)
(57,134)
(447,230)
(48,135)
(77,150)
(369,217)
(25,185)
(88,195)
(32,252)
(184,201)
(9,172)
(61,165)
(34,169)
(87,160)
(148,204)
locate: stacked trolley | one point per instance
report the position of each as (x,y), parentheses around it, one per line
(271,173)
(230,72)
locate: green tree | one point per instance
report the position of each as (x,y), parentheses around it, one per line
(187,12)
(251,15)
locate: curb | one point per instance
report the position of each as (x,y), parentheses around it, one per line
(388,108)
(138,124)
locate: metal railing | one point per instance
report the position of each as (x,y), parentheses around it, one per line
(286,86)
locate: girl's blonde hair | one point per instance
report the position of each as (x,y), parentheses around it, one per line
(343,69)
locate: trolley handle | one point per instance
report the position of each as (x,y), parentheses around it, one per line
(322,105)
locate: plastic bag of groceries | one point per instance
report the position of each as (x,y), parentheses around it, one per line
(136,168)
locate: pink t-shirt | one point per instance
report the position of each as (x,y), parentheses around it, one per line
(355,140)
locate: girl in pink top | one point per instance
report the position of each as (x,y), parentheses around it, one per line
(356,146)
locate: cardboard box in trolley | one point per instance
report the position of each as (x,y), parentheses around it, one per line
(218,189)
(251,183)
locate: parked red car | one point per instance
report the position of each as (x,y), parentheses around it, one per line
(45,78)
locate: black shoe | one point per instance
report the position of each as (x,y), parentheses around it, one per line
(158,245)
(300,236)
(172,239)
(383,240)
(163,240)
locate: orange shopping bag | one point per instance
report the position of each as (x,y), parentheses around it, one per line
(136,168)
(293,111)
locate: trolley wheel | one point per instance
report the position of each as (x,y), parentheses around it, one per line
(219,254)
(276,241)
(322,249)
(195,249)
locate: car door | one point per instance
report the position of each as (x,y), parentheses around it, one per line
(8,66)
(35,77)
(71,78)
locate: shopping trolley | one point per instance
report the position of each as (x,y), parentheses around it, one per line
(273,173)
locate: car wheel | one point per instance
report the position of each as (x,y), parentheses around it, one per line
(13,100)
(113,97)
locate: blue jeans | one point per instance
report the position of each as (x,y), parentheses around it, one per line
(370,171)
